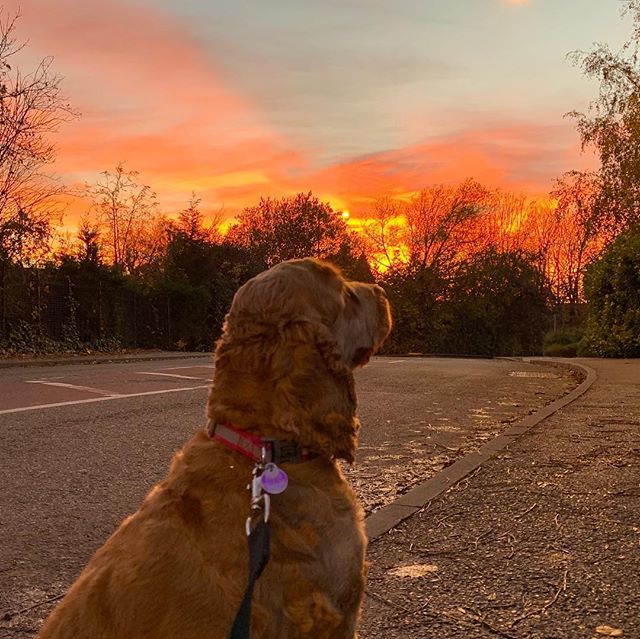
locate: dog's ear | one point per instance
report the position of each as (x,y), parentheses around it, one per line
(315,390)
(363,324)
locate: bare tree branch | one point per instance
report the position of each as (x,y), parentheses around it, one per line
(32,107)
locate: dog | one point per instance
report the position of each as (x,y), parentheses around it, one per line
(177,568)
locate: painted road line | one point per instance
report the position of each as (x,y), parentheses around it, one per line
(177,368)
(171,375)
(86,389)
(24,409)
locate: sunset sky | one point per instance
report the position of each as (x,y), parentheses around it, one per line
(352,99)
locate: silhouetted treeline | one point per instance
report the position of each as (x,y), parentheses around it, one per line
(493,302)
(469,270)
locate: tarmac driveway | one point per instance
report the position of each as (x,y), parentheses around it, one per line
(82,444)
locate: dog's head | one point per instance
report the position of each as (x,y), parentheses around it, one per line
(291,339)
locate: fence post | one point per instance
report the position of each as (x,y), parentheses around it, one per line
(39,301)
(101,331)
(169,321)
(135,319)
(3,298)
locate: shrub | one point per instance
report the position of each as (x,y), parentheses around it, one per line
(584,348)
(562,343)
(612,289)
(561,350)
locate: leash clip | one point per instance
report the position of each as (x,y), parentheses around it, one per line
(260,500)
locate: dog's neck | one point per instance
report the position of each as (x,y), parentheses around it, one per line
(297,390)
(259,449)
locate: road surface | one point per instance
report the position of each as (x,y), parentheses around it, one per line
(82,444)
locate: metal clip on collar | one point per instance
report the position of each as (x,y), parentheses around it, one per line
(260,500)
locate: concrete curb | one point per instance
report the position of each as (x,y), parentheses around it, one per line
(101,359)
(383,520)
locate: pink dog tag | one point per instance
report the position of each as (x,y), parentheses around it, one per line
(273,479)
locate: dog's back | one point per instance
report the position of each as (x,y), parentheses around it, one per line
(177,568)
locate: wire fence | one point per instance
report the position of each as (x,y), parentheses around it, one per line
(48,310)
(40,309)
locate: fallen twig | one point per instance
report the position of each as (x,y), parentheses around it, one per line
(447,618)
(463,484)
(538,611)
(527,511)
(388,603)
(476,541)
(481,620)
(10,615)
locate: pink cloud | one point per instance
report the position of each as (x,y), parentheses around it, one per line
(151,97)
(147,92)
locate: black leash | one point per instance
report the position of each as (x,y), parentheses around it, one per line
(258,558)
(267,479)
(258,531)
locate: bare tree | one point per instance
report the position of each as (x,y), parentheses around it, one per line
(127,213)
(384,233)
(578,231)
(503,223)
(32,107)
(441,223)
(538,236)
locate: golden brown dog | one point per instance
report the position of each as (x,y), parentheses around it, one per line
(177,568)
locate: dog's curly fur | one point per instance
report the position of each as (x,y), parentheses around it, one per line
(176,569)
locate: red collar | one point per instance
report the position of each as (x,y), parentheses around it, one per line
(259,449)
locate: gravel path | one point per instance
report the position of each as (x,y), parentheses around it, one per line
(542,542)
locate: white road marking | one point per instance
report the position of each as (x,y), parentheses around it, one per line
(177,368)
(172,375)
(86,389)
(98,399)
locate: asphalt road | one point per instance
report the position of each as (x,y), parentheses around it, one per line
(82,444)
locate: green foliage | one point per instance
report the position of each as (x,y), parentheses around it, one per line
(197,281)
(563,342)
(563,336)
(584,348)
(561,350)
(28,339)
(499,305)
(494,304)
(418,313)
(612,289)
(612,124)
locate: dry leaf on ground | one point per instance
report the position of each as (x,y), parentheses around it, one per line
(414,570)
(608,631)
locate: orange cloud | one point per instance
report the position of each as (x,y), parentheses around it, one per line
(151,97)
(522,157)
